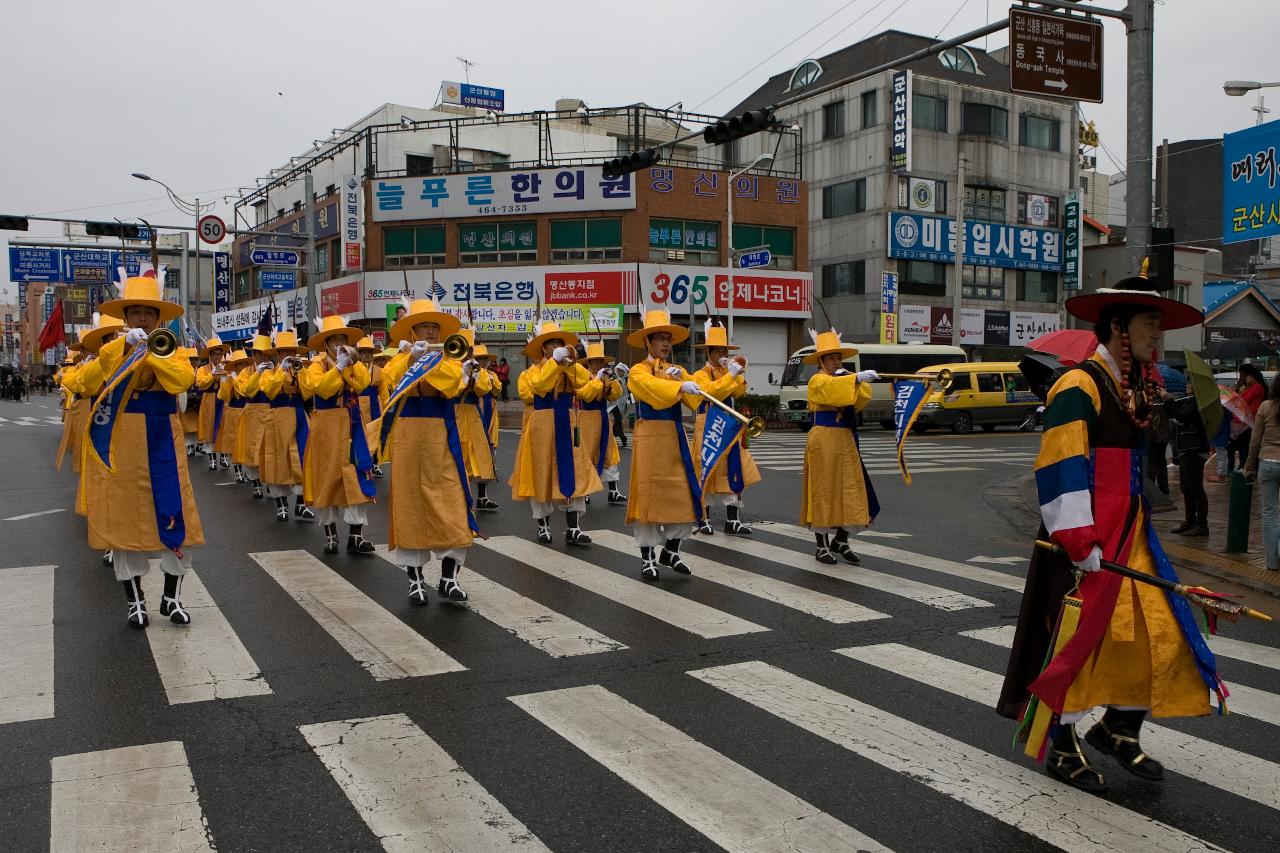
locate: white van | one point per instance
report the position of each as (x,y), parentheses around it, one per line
(793,396)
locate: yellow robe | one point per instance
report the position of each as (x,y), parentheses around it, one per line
(832,490)
(659,492)
(477,452)
(717,382)
(74,417)
(251,428)
(375,382)
(205,381)
(535,475)
(281,462)
(329,478)
(119,504)
(590,426)
(89,381)
(525,393)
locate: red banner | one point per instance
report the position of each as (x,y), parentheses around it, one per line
(596,288)
(762,291)
(340,298)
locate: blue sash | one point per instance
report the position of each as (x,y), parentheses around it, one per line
(601,406)
(649,413)
(260,397)
(217,417)
(733,462)
(560,404)
(360,456)
(105,409)
(486,413)
(847,418)
(416,371)
(238,402)
(166,488)
(301,427)
(444,408)
(375,408)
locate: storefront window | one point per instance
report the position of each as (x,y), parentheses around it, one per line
(586,239)
(1036,286)
(502,242)
(422,246)
(983,282)
(781,243)
(686,240)
(923,278)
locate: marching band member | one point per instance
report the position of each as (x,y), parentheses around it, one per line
(372,399)
(835,491)
(550,468)
(137,492)
(475,430)
(593,419)
(237,363)
(189,404)
(430,503)
(337,468)
(489,403)
(211,407)
(251,432)
(88,382)
(724,378)
(288,429)
(666,502)
(75,407)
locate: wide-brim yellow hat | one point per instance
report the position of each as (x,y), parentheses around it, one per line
(286,342)
(142,290)
(548,330)
(479,351)
(717,336)
(261,343)
(595,352)
(95,337)
(214,345)
(655,321)
(829,342)
(330,326)
(78,344)
(387,352)
(238,357)
(366,343)
(424,311)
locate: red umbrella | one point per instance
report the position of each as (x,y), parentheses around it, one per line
(1071,346)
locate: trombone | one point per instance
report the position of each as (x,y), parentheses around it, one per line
(943,377)
(162,343)
(752,426)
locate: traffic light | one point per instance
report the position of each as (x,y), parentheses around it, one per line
(13,223)
(123,230)
(628,163)
(729,129)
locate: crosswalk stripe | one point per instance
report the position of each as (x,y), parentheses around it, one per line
(1014,794)
(25,516)
(818,604)
(915,469)
(26,644)
(134,798)
(923,593)
(204,660)
(706,622)
(386,647)
(1222,767)
(991,577)
(539,626)
(410,792)
(729,804)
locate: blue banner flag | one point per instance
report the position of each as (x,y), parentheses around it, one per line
(105,409)
(721,433)
(907,399)
(411,376)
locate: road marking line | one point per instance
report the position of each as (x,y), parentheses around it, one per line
(386,647)
(634,593)
(726,802)
(539,626)
(26,644)
(1019,796)
(999,561)
(34,514)
(1212,764)
(204,660)
(410,792)
(819,604)
(922,593)
(134,798)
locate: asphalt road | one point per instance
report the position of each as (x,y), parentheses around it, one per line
(570,707)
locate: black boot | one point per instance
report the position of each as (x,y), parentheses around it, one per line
(573,534)
(356,543)
(301,511)
(223,460)
(108,557)
(823,554)
(137,603)
(733,522)
(670,557)
(544,530)
(483,501)
(615,496)
(257,489)
(649,566)
(377,470)
(1185,527)
(417,585)
(1116,734)
(170,605)
(840,545)
(240,477)
(213,461)
(331,538)
(448,587)
(282,509)
(704,527)
(1067,762)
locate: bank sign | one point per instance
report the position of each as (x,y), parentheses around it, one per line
(501,193)
(919,237)
(1250,184)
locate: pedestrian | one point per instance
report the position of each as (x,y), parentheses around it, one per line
(224,439)
(1137,651)
(372,399)
(725,378)
(89,380)
(477,423)
(593,419)
(1190,445)
(208,380)
(503,371)
(1263,465)
(1252,388)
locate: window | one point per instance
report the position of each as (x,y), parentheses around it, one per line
(416,165)
(684,240)
(983,282)
(1036,286)
(1041,210)
(833,120)
(984,203)
(924,278)
(422,246)
(586,239)
(919,194)
(781,243)
(1015,382)
(322,259)
(503,242)
(989,382)
(331,189)
(242,286)
(959,59)
(844,279)
(984,120)
(1036,132)
(960,382)
(1084,185)
(806,72)
(929,113)
(844,199)
(870,112)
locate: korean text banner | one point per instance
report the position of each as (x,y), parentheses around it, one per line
(721,432)
(920,237)
(501,193)
(1250,185)
(907,399)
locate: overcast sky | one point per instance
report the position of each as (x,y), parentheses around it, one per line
(207,100)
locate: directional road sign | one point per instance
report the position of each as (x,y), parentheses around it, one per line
(759,258)
(212,229)
(275,257)
(1055,55)
(32,264)
(279,279)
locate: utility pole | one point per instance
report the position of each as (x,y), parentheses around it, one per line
(955,300)
(1164,184)
(1139,143)
(194,310)
(309,205)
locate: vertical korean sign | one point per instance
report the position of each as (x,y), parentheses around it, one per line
(221,281)
(900,122)
(1071,243)
(1250,183)
(889,308)
(352,213)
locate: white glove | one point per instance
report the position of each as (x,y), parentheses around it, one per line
(133,337)
(674,372)
(343,360)
(405,346)
(468,368)
(1091,563)
(602,373)
(735,369)
(867,376)
(418,349)
(265,365)
(560,354)
(841,372)
(690,387)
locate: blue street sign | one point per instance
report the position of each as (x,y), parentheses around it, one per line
(275,257)
(485,97)
(279,279)
(86,266)
(29,264)
(747,260)
(144,233)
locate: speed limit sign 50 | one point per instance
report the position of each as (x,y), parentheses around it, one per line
(212,229)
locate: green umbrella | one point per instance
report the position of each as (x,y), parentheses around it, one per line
(1205,389)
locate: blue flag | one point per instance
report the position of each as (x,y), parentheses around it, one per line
(721,433)
(106,407)
(411,376)
(907,399)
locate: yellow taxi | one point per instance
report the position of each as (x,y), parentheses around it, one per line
(984,394)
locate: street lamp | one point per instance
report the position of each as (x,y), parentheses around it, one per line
(733,260)
(192,209)
(1237,88)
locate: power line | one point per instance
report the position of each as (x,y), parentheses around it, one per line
(958,10)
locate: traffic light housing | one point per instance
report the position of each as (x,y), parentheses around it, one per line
(122,230)
(628,163)
(13,223)
(729,129)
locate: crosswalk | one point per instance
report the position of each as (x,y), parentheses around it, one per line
(688,750)
(783,450)
(31,420)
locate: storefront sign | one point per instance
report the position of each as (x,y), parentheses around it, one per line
(501,194)
(1250,183)
(940,325)
(1071,220)
(340,297)
(919,237)
(351,209)
(995,328)
(889,308)
(236,323)
(900,122)
(971,326)
(523,319)
(914,324)
(499,287)
(221,281)
(760,293)
(978,326)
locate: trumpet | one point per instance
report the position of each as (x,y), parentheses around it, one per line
(454,347)
(741,359)
(162,343)
(943,377)
(753,426)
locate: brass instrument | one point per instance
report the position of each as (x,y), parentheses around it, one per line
(943,377)
(454,347)
(754,426)
(162,343)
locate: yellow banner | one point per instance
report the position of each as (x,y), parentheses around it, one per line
(889,328)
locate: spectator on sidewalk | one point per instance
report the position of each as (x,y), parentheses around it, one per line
(1252,387)
(1263,465)
(1190,445)
(503,371)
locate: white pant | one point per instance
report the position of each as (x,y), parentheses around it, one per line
(347,514)
(653,535)
(717,499)
(277,491)
(610,474)
(207,447)
(253,472)
(416,557)
(135,564)
(542,510)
